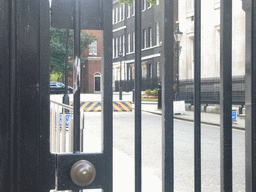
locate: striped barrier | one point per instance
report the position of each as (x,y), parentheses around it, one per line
(118,106)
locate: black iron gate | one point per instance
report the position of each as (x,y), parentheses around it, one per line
(26,163)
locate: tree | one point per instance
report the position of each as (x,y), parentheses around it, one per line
(153,2)
(58,49)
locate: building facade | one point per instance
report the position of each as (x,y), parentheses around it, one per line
(124,43)
(123,17)
(210,39)
(91,65)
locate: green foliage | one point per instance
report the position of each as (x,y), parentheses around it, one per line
(153,2)
(148,91)
(155,92)
(56,76)
(58,48)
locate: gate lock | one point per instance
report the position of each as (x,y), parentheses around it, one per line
(83,173)
(78,171)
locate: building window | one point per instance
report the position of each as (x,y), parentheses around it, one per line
(133,8)
(120,44)
(150,37)
(149,70)
(113,43)
(149,5)
(129,11)
(144,5)
(116,47)
(123,11)
(190,6)
(120,13)
(133,41)
(113,16)
(129,42)
(93,48)
(157,69)
(144,38)
(116,14)
(123,45)
(157,34)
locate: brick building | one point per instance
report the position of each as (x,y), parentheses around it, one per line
(91,65)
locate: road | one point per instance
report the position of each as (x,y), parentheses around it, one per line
(152,152)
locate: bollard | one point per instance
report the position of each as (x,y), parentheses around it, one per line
(159,96)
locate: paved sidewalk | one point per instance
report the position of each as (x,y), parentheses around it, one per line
(206,118)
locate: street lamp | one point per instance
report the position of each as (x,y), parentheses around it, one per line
(177,37)
(120,86)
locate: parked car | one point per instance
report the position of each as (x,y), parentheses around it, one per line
(57,87)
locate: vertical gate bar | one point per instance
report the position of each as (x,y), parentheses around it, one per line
(137,95)
(167,96)
(197,96)
(107,97)
(226,94)
(63,131)
(58,130)
(77,92)
(250,95)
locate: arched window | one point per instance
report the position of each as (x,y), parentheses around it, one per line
(97,82)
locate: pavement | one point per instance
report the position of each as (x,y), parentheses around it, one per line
(206,118)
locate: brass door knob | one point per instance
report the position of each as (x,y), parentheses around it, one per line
(82,173)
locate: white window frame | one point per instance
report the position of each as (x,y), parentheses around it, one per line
(133,8)
(144,6)
(128,11)
(150,37)
(113,16)
(93,46)
(116,14)
(116,47)
(150,5)
(120,44)
(120,13)
(123,45)
(133,41)
(129,42)
(157,33)
(123,11)
(113,43)
(144,38)
(158,69)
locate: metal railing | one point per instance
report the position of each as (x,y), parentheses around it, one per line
(62,127)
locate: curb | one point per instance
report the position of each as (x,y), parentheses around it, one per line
(190,120)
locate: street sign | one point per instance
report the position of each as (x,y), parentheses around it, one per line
(67,119)
(234,115)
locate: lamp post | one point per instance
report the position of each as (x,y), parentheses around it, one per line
(120,86)
(177,37)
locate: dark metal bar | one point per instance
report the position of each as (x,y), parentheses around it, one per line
(65,97)
(137,85)
(250,92)
(167,95)
(107,97)
(77,91)
(197,96)
(226,94)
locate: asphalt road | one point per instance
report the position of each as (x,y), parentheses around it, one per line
(183,153)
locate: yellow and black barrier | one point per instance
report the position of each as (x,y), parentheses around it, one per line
(119,106)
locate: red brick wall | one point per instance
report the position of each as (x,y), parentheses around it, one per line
(92,65)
